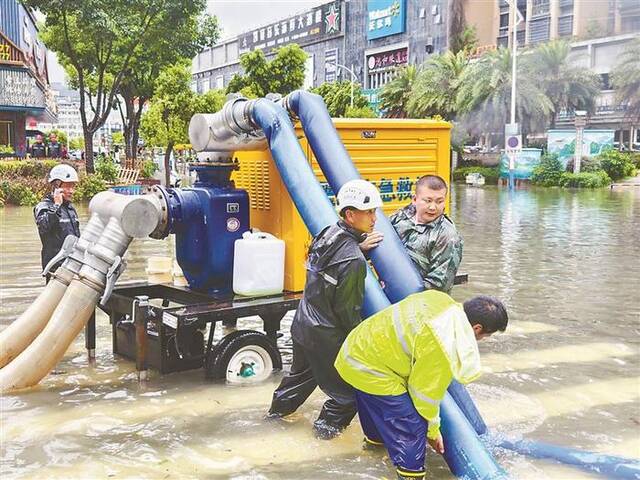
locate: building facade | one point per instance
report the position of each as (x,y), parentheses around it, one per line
(365,40)
(25,93)
(599,32)
(369,38)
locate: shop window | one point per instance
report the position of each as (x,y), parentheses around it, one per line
(6,133)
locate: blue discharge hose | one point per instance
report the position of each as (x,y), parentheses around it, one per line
(464,452)
(607,465)
(305,191)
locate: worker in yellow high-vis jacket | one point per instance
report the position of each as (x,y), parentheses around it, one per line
(401,361)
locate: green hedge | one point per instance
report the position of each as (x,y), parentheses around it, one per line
(585,179)
(24,182)
(27,168)
(549,172)
(617,164)
(88,186)
(490,174)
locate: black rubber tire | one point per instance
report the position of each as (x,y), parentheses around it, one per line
(218,359)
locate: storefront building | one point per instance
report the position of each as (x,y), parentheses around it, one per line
(25,94)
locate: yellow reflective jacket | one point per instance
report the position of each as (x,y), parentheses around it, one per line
(417,346)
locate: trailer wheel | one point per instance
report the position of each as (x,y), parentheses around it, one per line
(243,356)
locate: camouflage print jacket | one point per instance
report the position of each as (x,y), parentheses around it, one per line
(435,247)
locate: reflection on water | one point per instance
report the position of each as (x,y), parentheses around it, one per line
(567,371)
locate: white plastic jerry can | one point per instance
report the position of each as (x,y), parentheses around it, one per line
(258,264)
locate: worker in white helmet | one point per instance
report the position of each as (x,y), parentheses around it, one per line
(55,217)
(329,310)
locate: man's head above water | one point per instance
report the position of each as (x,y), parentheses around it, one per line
(430,198)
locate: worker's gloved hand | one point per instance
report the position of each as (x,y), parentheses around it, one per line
(372,241)
(437,444)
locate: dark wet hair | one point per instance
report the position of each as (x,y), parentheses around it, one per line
(488,312)
(433,182)
(343,212)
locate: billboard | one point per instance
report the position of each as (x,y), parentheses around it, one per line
(320,23)
(563,143)
(385,17)
(526,160)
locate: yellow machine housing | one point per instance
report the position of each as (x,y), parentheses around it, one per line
(391,153)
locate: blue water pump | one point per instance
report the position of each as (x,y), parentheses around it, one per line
(207,219)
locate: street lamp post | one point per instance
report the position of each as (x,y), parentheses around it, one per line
(354,77)
(517,18)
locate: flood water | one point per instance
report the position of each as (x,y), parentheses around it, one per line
(567,371)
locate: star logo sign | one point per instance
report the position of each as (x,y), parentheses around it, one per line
(395,9)
(331,19)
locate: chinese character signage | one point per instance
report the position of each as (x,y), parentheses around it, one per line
(321,23)
(385,17)
(19,89)
(330,65)
(394,191)
(384,61)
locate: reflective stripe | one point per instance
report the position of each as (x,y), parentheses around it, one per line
(356,364)
(329,278)
(398,327)
(410,473)
(422,396)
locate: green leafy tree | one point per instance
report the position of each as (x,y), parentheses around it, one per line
(395,94)
(337,97)
(484,95)
(360,112)
(62,136)
(626,80)
(436,87)
(166,122)
(282,74)
(76,143)
(209,102)
(567,86)
(465,41)
(97,41)
(162,47)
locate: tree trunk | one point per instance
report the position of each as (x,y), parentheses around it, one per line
(88,151)
(132,125)
(167,167)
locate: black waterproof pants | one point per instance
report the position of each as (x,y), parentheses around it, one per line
(311,369)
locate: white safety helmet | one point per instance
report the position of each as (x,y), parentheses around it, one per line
(64,173)
(358,194)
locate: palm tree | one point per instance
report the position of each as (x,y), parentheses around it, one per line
(567,86)
(395,94)
(484,95)
(626,80)
(436,87)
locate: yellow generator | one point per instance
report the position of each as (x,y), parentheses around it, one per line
(390,153)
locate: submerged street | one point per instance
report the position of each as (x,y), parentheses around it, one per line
(565,372)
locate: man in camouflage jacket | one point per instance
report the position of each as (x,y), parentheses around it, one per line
(430,237)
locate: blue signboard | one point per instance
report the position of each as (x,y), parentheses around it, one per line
(385,17)
(372,97)
(526,160)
